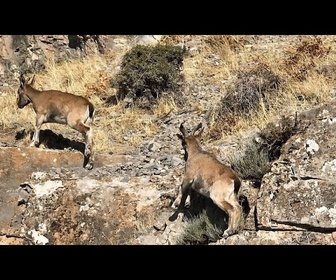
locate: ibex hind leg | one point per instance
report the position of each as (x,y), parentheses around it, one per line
(228,202)
(87,134)
(234,213)
(88,142)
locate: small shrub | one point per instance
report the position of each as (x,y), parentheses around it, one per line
(252,163)
(205,221)
(274,135)
(255,160)
(199,231)
(149,71)
(304,58)
(245,94)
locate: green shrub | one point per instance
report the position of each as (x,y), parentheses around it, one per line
(205,221)
(147,72)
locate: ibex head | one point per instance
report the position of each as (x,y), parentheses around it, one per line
(190,140)
(23,99)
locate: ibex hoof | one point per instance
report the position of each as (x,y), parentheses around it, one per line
(228,233)
(34,144)
(89,166)
(175,204)
(225,235)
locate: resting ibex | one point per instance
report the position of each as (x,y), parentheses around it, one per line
(209,177)
(53,106)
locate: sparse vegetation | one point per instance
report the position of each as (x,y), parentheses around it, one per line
(199,231)
(256,84)
(205,221)
(271,77)
(252,163)
(306,55)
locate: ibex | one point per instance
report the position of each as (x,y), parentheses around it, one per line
(53,106)
(209,177)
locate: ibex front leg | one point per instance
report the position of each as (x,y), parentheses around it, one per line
(36,137)
(179,202)
(88,152)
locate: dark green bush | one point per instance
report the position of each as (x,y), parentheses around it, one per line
(147,72)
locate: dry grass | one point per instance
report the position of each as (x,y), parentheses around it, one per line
(215,59)
(88,77)
(304,86)
(216,62)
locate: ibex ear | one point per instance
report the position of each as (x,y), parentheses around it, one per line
(198,135)
(32,80)
(22,80)
(198,127)
(182,129)
(180,136)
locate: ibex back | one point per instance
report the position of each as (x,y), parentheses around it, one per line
(53,106)
(211,178)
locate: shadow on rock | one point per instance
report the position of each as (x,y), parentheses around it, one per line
(52,140)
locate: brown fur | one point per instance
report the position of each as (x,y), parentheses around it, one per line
(211,178)
(53,106)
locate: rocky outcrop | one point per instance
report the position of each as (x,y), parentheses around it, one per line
(49,198)
(296,202)
(28,53)
(300,191)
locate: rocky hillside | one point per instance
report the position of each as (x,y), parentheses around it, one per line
(47,197)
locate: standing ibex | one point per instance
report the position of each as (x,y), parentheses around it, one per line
(209,177)
(53,106)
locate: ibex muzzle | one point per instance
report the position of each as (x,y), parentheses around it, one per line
(53,106)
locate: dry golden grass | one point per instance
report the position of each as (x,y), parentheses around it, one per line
(202,66)
(9,113)
(164,107)
(296,95)
(216,61)
(88,77)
